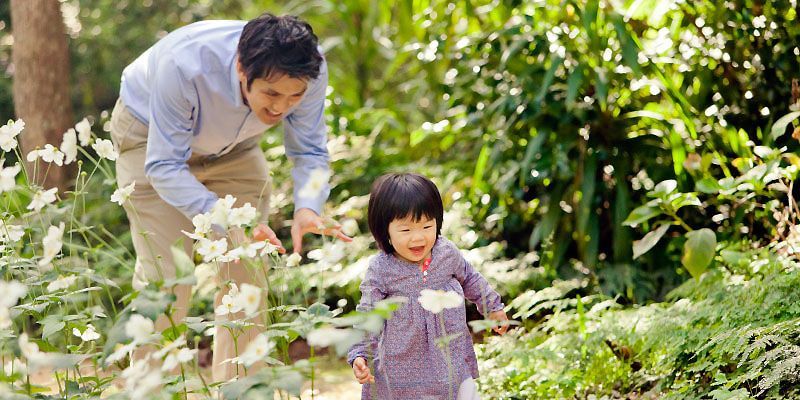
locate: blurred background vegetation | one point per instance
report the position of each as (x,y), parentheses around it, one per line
(545,123)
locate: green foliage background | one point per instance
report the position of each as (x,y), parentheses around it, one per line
(551,120)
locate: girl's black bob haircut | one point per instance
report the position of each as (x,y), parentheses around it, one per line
(398,196)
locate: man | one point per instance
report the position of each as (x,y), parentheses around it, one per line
(187,126)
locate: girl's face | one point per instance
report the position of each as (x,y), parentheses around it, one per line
(413,239)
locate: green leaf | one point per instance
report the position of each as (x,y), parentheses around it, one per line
(319,310)
(573,84)
(480,167)
(417,136)
(52,324)
(698,251)
(664,188)
(548,79)
(685,199)
(779,127)
(630,49)
(290,381)
(708,186)
(648,241)
(641,214)
(184,266)
(589,17)
(151,303)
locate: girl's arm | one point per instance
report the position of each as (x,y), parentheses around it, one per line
(371,292)
(477,288)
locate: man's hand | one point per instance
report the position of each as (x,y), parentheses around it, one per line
(263,232)
(361,371)
(307,221)
(499,316)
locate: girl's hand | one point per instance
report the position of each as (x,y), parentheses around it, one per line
(361,371)
(499,315)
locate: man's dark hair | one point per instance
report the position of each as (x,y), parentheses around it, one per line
(398,196)
(285,45)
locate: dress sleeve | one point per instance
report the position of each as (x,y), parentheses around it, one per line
(372,291)
(476,287)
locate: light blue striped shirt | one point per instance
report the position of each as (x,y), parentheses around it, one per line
(186,89)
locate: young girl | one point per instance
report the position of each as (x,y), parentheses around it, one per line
(405,217)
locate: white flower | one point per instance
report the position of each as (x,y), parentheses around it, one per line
(88,335)
(16,127)
(105,149)
(5,318)
(329,253)
(259,348)
(139,328)
(9,132)
(42,198)
(205,275)
(36,358)
(243,215)
(29,349)
(121,195)
(221,210)
(350,227)
(229,305)
(63,282)
(211,249)
(202,224)
(10,233)
(140,380)
(251,249)
(51,154)
(69,145)
(12,291)
(84,129)
(52,244)
(293,260)
(315,184)
(178,357)
(8,178)
(268,249)
(249,298)
(343,339)
(176,353)
(15,366)
(120,351)
(437,300)
(33,155)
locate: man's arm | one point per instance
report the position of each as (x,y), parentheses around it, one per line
(172,101)
(306,141)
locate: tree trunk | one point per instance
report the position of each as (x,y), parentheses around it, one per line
(41,83)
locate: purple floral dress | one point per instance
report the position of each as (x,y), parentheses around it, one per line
(407,362)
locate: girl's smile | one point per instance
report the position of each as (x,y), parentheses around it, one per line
(412,239)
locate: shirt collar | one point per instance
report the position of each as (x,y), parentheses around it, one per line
(236,89)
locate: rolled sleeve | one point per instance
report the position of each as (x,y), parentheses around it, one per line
(172,102)
(306,139)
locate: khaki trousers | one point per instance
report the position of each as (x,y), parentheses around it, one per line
(156,225)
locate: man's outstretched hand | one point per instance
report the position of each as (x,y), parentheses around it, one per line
(308,221)
(263,232)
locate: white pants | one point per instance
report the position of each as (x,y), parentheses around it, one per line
(468,391)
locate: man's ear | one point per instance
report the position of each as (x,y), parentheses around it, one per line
(240,72)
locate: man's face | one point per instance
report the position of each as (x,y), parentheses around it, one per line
(271,98)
